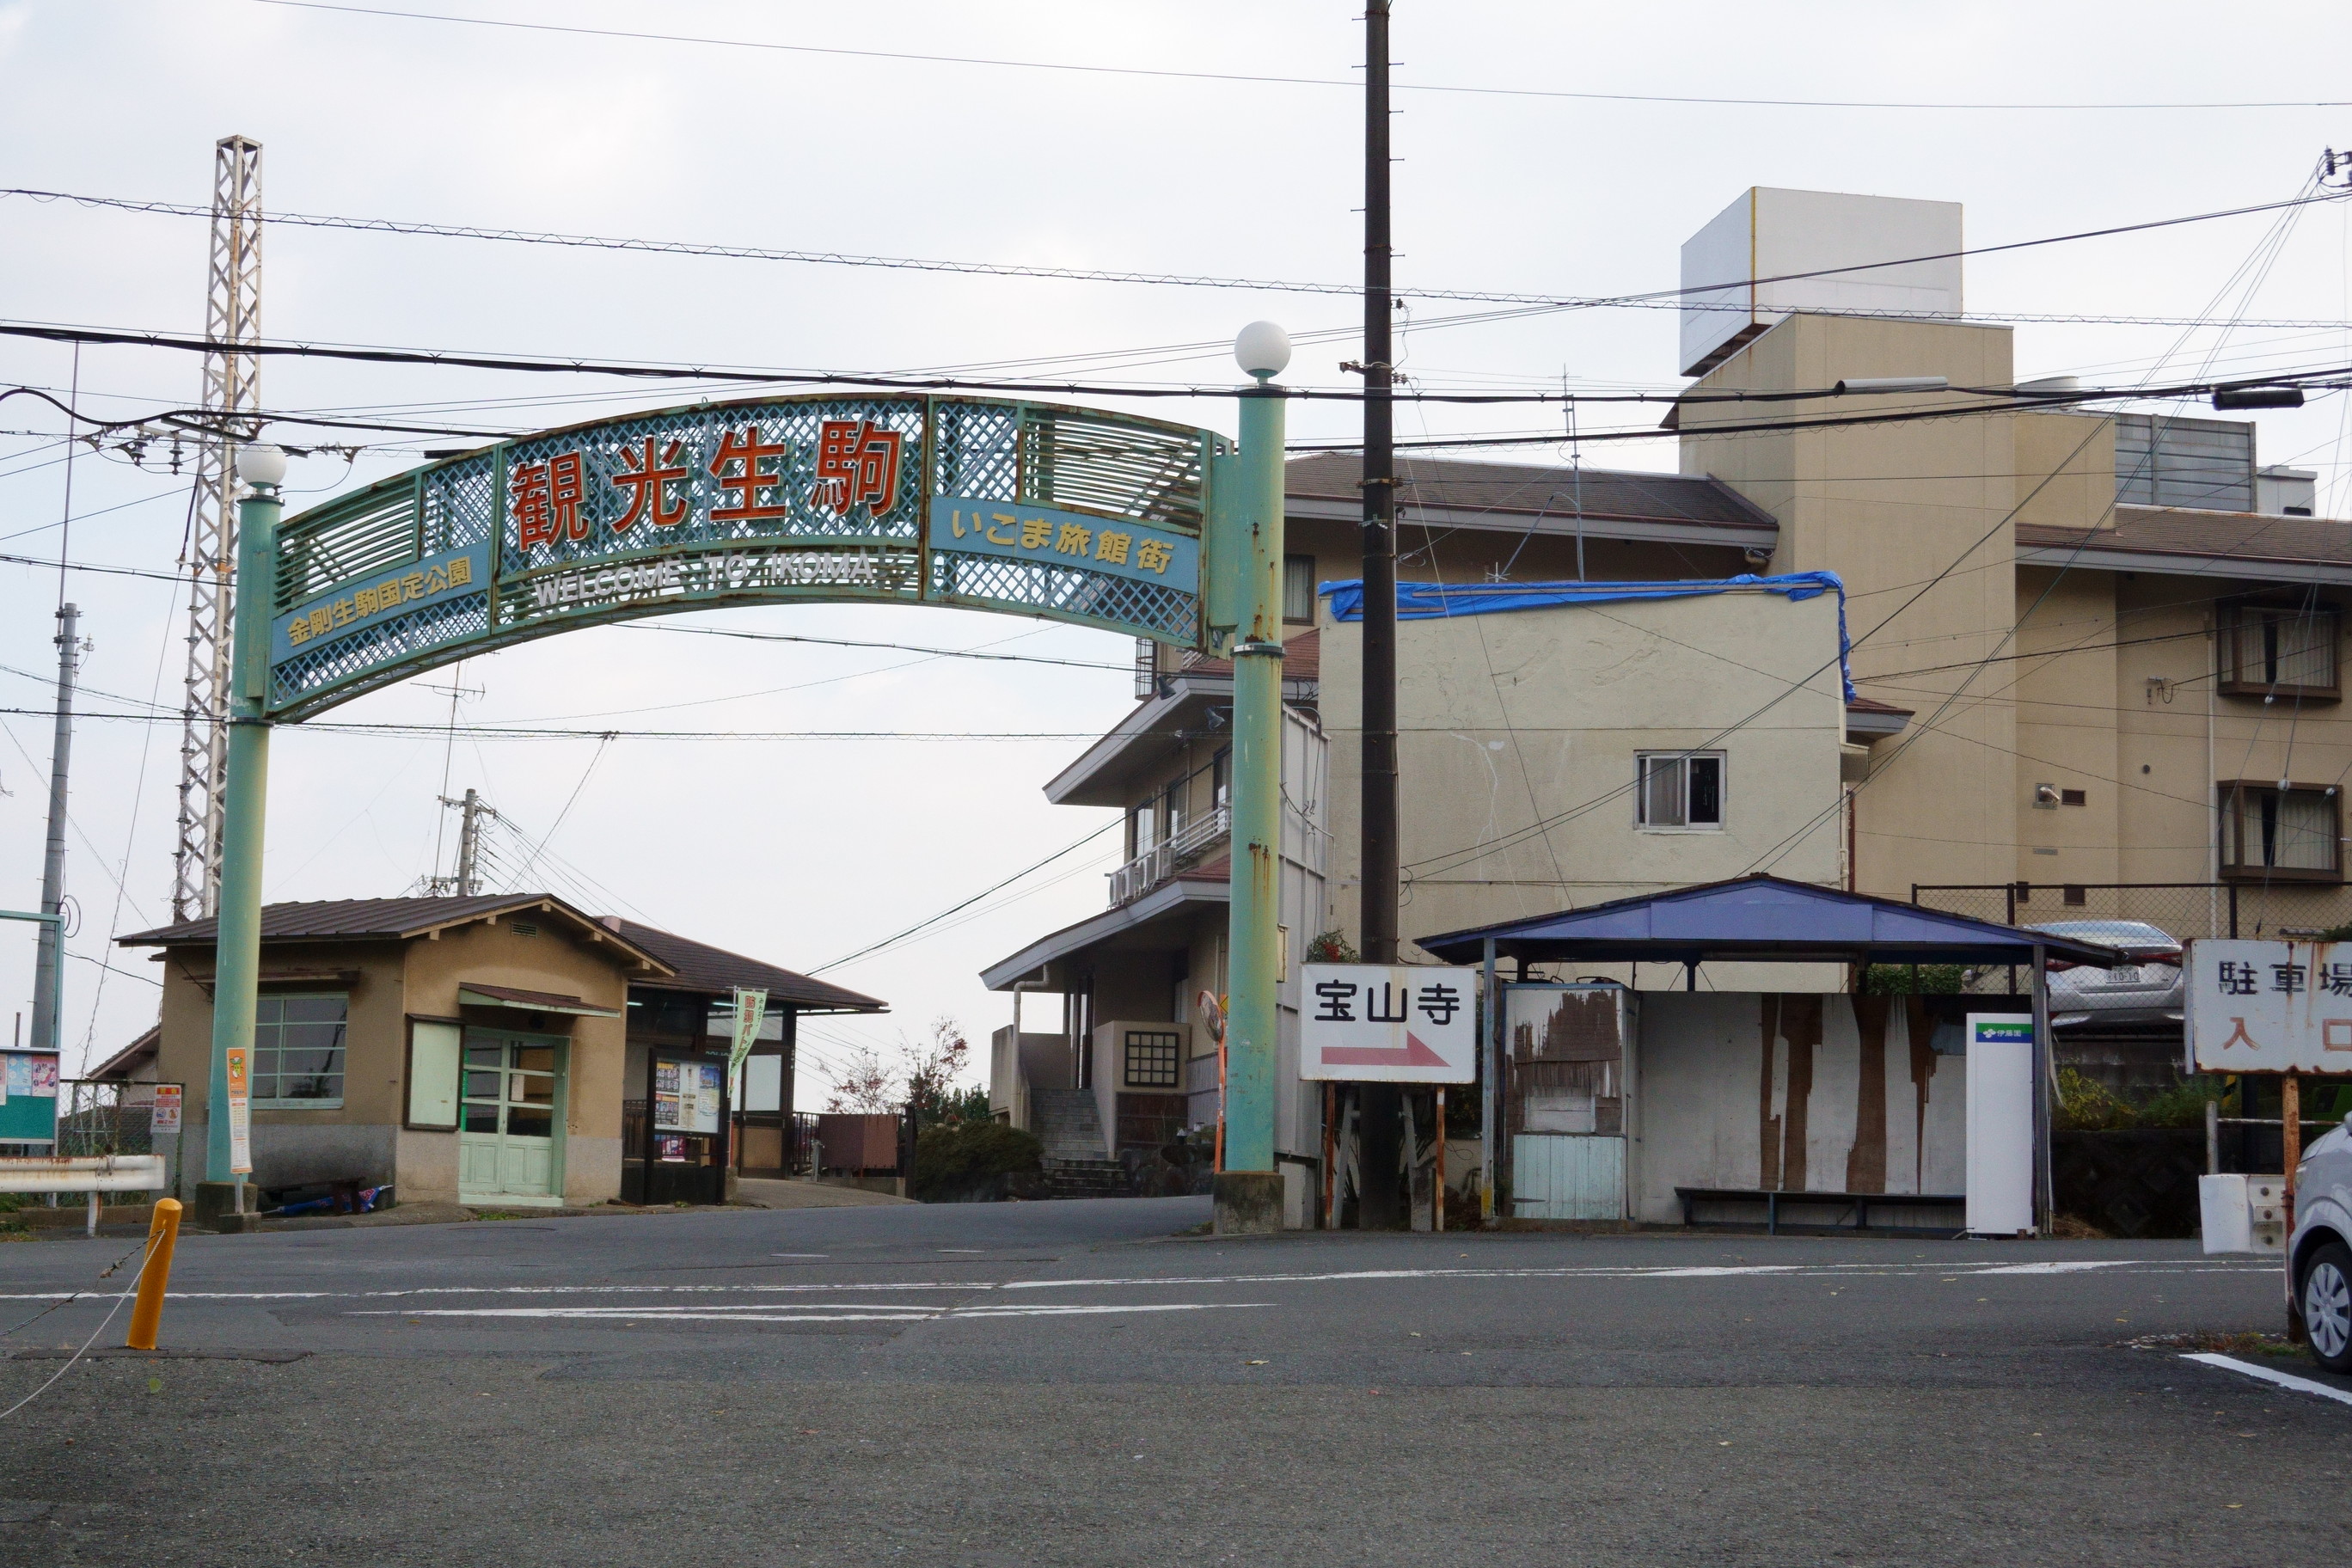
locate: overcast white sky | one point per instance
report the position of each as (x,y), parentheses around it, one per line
(799,852)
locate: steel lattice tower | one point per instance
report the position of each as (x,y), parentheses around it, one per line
(232,395)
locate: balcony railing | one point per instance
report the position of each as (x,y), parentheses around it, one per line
(1182,849)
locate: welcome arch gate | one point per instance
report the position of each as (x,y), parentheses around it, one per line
(1086,516)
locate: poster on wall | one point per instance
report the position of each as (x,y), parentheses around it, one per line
(164,1111)
(240,1110)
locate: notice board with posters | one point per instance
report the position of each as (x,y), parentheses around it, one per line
(28,1097)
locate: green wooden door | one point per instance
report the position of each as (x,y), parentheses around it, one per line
(510,1127)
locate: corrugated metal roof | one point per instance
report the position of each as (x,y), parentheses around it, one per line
(1552,490)
(1760,917)
(701,967)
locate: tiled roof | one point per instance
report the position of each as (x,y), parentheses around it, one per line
(2218,536)
(350,918)
(1521,487)
(701,967)
(691,965)
(1302,659)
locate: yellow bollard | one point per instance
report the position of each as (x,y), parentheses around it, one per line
(147,1312)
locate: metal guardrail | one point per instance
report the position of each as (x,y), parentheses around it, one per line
(1185,848)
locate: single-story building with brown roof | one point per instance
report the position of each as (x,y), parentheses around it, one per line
(500,1049)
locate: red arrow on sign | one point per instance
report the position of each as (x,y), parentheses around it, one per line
(1412,1054)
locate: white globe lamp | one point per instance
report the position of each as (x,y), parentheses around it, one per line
(1262,349)
(261,466)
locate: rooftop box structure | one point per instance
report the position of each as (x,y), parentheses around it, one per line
(1773,253)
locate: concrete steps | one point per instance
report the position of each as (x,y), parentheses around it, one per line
(1067,1124)
(1087,1178)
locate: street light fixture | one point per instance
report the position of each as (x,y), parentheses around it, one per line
(1262,349)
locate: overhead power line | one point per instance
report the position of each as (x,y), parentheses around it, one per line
(2009,399)
(1240,77)
(892,941)
(1656,299)
(533,732)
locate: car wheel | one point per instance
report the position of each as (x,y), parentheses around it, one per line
(2326,1298)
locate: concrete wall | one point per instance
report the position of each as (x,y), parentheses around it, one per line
(1509,719)
(1799,1093)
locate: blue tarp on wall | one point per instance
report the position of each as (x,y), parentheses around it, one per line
(1442,601)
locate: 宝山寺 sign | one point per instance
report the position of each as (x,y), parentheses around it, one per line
(1374,1022)
(1072,515)
(2269,1007)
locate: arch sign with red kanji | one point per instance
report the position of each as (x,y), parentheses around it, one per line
(1077,515)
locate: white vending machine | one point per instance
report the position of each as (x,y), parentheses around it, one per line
(2000,1123)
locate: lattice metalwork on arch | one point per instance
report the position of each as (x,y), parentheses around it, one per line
(1077,515)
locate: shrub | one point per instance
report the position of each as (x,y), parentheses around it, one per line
(950,1153)
(1912,979)
(2087,1106)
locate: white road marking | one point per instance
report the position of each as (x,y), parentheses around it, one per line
(2283,1379)
(858,1313)
(1598,1272)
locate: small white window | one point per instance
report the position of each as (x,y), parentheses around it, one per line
(1679,790)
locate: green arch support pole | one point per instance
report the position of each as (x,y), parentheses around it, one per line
(237,960)
(1246,529)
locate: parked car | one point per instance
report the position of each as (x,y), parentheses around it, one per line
(2319,1253)
(2148,990)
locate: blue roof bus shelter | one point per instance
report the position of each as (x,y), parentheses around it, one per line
(1769,919)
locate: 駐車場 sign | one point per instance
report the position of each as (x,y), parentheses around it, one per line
(2269,1007)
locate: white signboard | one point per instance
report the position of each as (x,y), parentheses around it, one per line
(1374,1022)
(2001,1124)
(164,1115)
(2269,1007)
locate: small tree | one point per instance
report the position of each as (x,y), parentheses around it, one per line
(864,1086)
(932,1068)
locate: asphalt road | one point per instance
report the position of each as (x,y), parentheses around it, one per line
(1074,1382)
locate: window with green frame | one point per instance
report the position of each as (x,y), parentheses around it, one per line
(298,1049)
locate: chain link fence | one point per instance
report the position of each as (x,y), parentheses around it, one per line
(107,1116)
(2182,911)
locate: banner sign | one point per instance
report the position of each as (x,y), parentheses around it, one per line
(2269,1007)
(240,1110)
(750,1012)
(1372,1023)
(1072,515)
